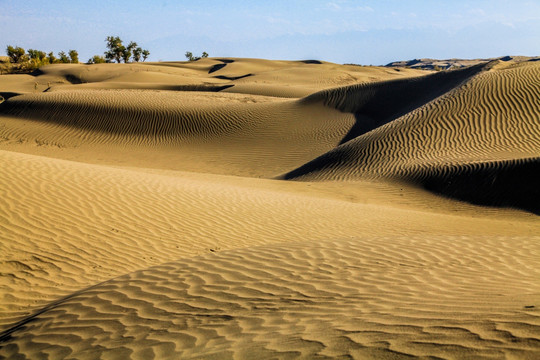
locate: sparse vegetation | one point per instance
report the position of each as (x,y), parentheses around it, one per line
(16,54)
(63,58)
(73,56)
(21,61)
(51,57)
(190,57)
(145,54)
(118,52)
(137,53)
(96,59)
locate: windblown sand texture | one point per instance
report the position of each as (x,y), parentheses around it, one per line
(256,209)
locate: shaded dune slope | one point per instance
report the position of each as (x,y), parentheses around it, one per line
(510,183)
(160,116)
(487,125)
(379,103)
(256,134)
(367,298)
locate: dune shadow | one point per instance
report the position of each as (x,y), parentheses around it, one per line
(388,101)
(7,94)
(232,78)
(511,183)
(376,104)
(315,62)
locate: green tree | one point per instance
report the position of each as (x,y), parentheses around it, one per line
(129,50)
(37,55)
(145,54)
(74,56)
(96,59)
(63,58)
(137,52)
(190,57)
(118,52)
(16,54)
(52,58)
(37,58)
(116,49)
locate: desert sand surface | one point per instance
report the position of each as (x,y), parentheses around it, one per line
(257,209)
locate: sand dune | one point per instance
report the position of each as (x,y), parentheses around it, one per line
(489,123)
(455,63)
(374,297)
(263,136)
(145,212)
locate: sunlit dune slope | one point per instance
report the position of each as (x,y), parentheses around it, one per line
(373,297)
(67,225)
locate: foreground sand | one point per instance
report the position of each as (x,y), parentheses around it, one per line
(242,208)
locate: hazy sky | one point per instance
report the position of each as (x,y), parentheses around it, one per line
(342,31)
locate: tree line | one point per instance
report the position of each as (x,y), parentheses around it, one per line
(18,55)
(116,52)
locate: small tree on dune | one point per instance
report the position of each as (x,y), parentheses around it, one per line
(16,54)
(118,52)
(96,59)
(137,53)
(145,54)
(190,57)
(63,58)
(52,58)
(37,56)
(116,49)
(74,56)
(127,51)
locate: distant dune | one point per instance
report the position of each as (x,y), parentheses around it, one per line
(243,208)
(431,64)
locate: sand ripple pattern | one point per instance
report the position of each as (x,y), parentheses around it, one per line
(231,133)
(492,119)
(362,298)
(146,115)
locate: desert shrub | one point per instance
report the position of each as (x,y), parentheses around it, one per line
(63,58)
(145,54)
(73,56)
(118,52)
(137,53)
(116,49)
(190,57)
(16,54)
(52,58)
(96,59)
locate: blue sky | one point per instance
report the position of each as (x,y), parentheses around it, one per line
(341,31)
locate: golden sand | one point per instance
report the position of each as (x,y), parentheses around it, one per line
(257,209)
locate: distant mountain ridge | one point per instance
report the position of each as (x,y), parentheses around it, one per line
(436,64)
